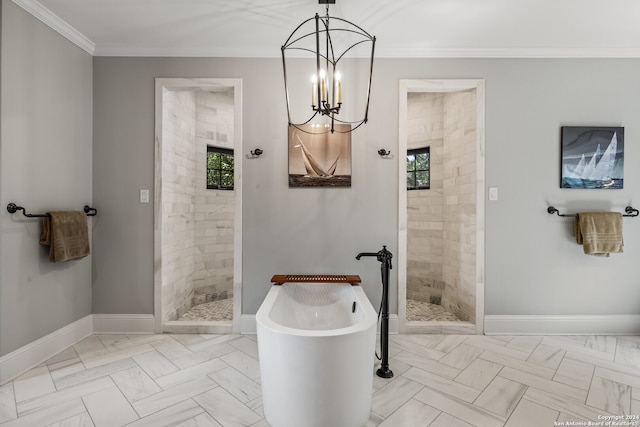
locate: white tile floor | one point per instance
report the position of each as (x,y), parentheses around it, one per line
(440,381)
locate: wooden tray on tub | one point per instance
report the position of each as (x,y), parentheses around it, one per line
(352,279)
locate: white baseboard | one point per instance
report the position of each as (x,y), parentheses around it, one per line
(36,352)
(248,324)
(623,324)
(393,324)
(123,323)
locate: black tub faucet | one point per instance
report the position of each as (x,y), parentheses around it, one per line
(384,256)
(361,254)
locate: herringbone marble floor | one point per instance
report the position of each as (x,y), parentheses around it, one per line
(440,381)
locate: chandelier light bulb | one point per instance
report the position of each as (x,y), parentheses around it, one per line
(314,90)
(337,76)
(323,85)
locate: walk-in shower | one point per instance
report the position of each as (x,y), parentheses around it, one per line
(441,205)
(198,206)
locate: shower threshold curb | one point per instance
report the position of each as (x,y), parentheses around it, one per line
(197,327)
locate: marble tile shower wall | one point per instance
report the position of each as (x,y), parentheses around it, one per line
(441,220)
(197,234)
(424,207)
(459,261)
(214,209)
(177,195)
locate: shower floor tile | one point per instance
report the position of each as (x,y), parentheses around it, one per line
(424,311)
(210,311)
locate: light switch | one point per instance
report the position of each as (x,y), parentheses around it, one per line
(144,196)
(493,193)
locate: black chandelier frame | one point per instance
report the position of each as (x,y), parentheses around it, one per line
(327,106)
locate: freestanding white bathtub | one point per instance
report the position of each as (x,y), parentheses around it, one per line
(316,343)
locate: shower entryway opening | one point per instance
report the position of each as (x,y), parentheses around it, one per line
(441,206)
(198,205)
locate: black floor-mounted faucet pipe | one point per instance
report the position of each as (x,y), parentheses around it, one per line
(384,256)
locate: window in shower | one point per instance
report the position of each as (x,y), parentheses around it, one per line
(418,169)
(219,168)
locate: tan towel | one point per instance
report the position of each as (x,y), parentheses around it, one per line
(67,235)
(600,233)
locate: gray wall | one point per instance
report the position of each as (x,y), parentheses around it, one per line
(45,164)
(532,264)
(284,231)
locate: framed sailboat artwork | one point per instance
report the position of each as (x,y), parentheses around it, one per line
(319,158)
(592,157)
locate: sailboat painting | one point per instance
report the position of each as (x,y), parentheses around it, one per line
(592,157)
(319,158)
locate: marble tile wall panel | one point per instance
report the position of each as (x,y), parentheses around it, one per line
(459,176)
(213,209)
(177,242)
(197,233)
(424,207)
(441,221)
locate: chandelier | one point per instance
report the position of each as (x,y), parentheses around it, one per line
(328,40)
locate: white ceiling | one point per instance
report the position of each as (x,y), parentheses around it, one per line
(403,28)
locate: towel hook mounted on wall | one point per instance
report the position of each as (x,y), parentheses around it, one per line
(13,208)
(254,154)
(629,211)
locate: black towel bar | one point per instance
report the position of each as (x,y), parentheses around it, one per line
(629,211)
(13,208)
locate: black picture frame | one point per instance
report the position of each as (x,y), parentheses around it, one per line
(592,157)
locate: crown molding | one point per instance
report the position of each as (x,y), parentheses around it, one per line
(184,51)
(500,52)
(390,53)
(54,22)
